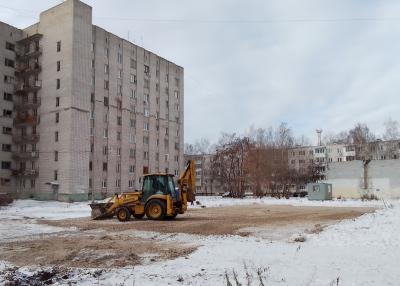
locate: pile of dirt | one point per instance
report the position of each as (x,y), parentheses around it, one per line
(14,277)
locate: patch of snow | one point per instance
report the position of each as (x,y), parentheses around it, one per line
(51,210)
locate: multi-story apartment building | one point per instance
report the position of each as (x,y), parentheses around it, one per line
(9,35)
(301,158)
(93,112)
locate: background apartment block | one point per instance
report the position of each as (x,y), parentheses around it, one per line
(93,112)
(9,35)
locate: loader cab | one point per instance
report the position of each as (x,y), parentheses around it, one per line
(158,184)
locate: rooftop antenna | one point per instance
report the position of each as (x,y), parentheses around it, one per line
(319,132)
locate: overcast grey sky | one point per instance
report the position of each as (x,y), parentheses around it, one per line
(311,63)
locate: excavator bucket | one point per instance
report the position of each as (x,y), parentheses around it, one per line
(99,211)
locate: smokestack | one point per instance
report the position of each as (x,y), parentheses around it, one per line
(319,133)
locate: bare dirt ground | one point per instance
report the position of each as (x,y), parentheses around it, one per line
(110,243)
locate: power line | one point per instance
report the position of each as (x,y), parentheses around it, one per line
(251,21)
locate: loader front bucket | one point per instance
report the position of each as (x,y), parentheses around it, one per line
(99,211)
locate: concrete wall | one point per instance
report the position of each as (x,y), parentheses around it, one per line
(347,179)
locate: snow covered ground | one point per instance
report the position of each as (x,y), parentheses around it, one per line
(362,251)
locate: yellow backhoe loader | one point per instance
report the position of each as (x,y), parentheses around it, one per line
(158,198)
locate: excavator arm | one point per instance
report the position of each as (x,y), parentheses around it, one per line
(187,181)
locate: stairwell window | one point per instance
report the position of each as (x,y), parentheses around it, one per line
(55,175)
(58,66)
(58,83)
(57,117)
(104,184)
(57,101)
(56,136)
(58,46)
(55,156)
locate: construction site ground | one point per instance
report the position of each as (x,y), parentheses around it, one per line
(85,243)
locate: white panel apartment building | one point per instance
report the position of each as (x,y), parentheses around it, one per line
(92,111)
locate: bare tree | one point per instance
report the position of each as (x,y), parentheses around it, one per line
(392,130)
(227,165)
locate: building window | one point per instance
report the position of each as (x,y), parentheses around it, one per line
(146,83)
(7,96)
(133,64)
(8,79)
(57,117)
(119,74)
(58,83)
(145,155)
(146,112)
(58,65)
(106,84)
(7,130)
(58,46)
(55,175)
(133,78)
(57,101)
(9,63)
(146,69)
(105,150)
(131,153)
(106,69)
(10,47)
(56,136)
(146,140)
(5,165)
(90,165)
(146,126)
(130,184)
(119,89)
(119,58)
(176,81)
(132,123)
(105,102)
(119,120)
(56,156)
(131,138)
(146,98)
(7,113)
(118,168)
(118,136)
(6,147)
(105,166)
(104,184)
(117,183)
(105,133)
(131,169)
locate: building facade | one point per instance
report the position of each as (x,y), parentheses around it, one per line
(93,112)
(9,36)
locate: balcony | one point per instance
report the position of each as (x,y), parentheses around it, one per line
(21,88)
(25,173)
(27,121)
(25,156)
(29,39)
(27,71)
(26,105)
(31,138)
(34,53)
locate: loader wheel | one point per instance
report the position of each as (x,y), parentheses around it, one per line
(155,210)
(138,216)
(123,214)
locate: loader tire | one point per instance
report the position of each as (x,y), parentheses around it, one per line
(155,210)
(123,214)
(138,216)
